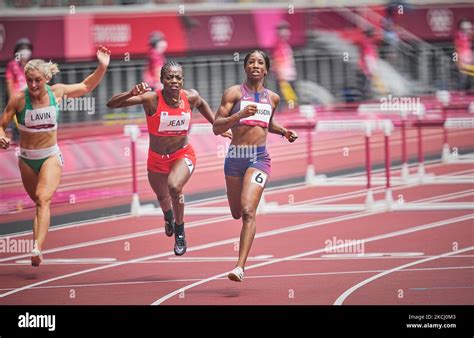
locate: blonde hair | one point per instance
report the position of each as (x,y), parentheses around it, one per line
(47,69)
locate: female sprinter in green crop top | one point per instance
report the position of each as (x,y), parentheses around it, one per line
(37,111)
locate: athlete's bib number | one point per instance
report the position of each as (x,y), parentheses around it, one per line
(261,117)
(259,177)
(40,117)
(174,122)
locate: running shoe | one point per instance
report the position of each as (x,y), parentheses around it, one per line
(36,257)
(236,275)
(179,244)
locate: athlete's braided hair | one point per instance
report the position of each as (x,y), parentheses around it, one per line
(166,67)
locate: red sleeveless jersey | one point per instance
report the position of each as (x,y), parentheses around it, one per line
(169,121)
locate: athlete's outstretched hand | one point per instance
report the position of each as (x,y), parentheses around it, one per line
(4,142)
(140,89)
(103,55)
(291,136)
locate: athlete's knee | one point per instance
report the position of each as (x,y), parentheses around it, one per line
(163,198)
(43,200)
(175,189)
(248,213)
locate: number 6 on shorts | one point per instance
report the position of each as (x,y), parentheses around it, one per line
(259,177)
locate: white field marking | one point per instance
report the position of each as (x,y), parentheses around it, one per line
(221,198)
(374,254)
(333,198)
(231,258)
(309,253)
(120,237)
(73,225)
(444,197)
(270,191)
(442,288)
(67,261)
(301,185)
(460,195)
(349,291)
(199,247)
(309,274)
(153,231)
(139,234)
(355,215)
(218,260)
(381,173)
(71,261)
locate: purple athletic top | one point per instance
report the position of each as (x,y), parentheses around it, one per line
(264,108)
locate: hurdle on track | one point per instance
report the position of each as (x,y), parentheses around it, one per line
(365,127)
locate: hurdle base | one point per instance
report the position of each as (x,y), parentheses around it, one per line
(446,155)
(405,172)
(135,205)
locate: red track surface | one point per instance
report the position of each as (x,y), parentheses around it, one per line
(290,263)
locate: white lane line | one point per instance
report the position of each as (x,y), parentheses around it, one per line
(223,198)
(71,225)
(126,236)
(374,254)
(349,291)
(212,244)
(156,231)
(309,274)
(229,258)
(119,238)
(71,261)
(309,253)
(218,260)
(441,287)
(291,228)
(200,247)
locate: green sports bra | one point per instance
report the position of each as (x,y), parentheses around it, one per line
(36,120)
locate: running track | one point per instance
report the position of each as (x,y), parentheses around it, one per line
(409,257)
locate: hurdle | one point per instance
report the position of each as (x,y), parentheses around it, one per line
(364,127)
(421,176)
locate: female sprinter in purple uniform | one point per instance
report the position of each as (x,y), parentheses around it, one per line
(248,110)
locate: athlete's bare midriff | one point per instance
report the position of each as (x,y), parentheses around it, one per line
(40,140)
(167,144)
(249,135)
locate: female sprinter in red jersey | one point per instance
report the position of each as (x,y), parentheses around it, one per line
(171,159)
(248,110)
